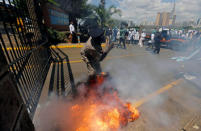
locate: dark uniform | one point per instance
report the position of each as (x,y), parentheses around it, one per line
(157,43)
(122,38)
(91,54)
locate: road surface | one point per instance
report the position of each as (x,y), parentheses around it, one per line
(167,92)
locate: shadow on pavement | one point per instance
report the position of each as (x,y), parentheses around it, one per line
(62,79)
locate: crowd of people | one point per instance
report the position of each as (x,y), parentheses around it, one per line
(187,34)
(92,53)
(135,36)
(123,36)
(129,36)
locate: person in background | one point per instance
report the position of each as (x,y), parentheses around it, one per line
(126,35)
(132,36)
(141,40)
(115,31)
(129,37)
(136,37)
(118,34)
(157,43)
(143,37)
(108,33)
(152,40)
(122,38)
(73,33)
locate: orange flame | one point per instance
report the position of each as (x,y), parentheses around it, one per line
(105,112)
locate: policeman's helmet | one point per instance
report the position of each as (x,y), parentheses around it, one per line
(97,33)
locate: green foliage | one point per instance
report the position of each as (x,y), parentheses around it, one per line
(102,15)
(21,4)
(82,9)
(56,36)
(105,15)
(53,2)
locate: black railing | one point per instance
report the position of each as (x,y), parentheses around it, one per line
(25,48)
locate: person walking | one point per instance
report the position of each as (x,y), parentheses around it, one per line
(141,40)
(157,43)
(122,38)
(73,33)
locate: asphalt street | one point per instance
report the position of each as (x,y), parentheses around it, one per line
(166,91)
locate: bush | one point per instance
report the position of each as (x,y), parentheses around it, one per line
(56,36)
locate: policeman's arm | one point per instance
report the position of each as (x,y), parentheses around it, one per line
(106,51)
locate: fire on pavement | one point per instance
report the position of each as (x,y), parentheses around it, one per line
(98,107)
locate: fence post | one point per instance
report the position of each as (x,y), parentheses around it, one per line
(13,113)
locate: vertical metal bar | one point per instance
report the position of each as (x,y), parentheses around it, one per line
(30,67)
(28,76)
(18,49)
(9,60)
(13,53)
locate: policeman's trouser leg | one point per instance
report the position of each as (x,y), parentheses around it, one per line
(94,68)
(158,50)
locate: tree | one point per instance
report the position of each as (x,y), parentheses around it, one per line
(102,3)
(105,15)
(81,9)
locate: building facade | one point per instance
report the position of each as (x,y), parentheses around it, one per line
(158,20)
(55,17)
(162,19)
(166,18)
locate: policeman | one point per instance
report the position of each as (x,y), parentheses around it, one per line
(92,52)
(157,43)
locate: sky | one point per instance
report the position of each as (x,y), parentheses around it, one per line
(146,10)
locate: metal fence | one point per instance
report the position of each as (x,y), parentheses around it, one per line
(24,45)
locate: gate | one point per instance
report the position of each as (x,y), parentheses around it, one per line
(24,45)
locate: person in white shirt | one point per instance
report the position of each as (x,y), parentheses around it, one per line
(72,28)
(73,33)
(132,36)
(136,37)
(152,37)
(152,40)
(142,38)
(129,37)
